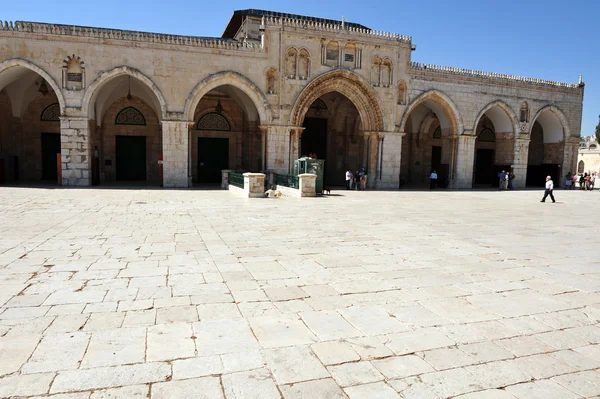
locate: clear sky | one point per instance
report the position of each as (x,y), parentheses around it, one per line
(547,39)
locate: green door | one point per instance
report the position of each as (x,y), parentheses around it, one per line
(50,147)
(213,157)
(131,158)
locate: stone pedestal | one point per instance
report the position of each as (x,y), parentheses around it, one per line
(225,178)
(75,151)
(175,153)
(520,161)
(254,185)
(307,184)
(463,161)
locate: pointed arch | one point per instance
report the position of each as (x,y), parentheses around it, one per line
(231,78)
(554,122)
(445,109)
(349,84)
(92,91)
(502,116)
(19,62)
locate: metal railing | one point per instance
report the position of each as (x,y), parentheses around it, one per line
(287,181)
(236,179)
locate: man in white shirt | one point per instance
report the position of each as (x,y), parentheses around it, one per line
(432,180)
(349,178)
(549,189)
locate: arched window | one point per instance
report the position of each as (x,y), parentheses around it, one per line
(524,112)
(318,106)
(386,73)
(580,167)
(51,113)
(213,121)
(291,58)
(130,116)
(437,134)
(304,64)
(332,54)
(402,95)
(73,73)
(376,72)
(487,136)
(593,146)
(271,81)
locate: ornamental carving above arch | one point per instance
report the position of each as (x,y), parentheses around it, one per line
(349,84)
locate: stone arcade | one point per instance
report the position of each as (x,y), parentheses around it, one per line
(175,110)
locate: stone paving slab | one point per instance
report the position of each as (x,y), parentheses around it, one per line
(181,293)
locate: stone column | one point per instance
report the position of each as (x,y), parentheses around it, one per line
(391,157)
(463,162)
(307,183)
(520,160)
(570,154)
(372,162)
(75,151)
(277,148)
(175,153)
(254,185)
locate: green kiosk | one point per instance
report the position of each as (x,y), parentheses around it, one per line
(312,166)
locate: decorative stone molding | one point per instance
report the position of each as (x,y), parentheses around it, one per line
(335,28)
(118,34)
(417,66)
(347,83)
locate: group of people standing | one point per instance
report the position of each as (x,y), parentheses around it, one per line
(505,180)
(586,181)
(356,180)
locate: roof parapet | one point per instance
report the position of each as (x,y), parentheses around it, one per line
(117,34)
(336,28)
(488,75)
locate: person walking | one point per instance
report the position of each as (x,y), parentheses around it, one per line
(549,189)
(506,180)
(349,178)
(592,181)
(501,177)
(511,178)
(432,180)
(568,181)
(574,181)
(356,181)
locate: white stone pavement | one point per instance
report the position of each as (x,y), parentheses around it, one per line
(201,294)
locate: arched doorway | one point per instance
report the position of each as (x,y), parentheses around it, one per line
(225,135)
(546,148)
(495,145)
(30,109)
(341,118)
(125,129)
(333,132)
(431,127)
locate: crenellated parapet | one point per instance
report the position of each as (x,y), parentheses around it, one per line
(335,28)
(496,77)
(117,34)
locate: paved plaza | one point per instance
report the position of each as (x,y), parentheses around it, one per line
(200,294)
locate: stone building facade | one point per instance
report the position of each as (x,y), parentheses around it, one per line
(588,160)
(171,110)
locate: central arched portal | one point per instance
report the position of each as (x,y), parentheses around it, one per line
(341,117)
(333,132)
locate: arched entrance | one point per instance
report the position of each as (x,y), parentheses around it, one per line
(125,110)
(30,108)
(431,124)
(546,147)
(225,135)
(495,146)
(341,118)
(226,109)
